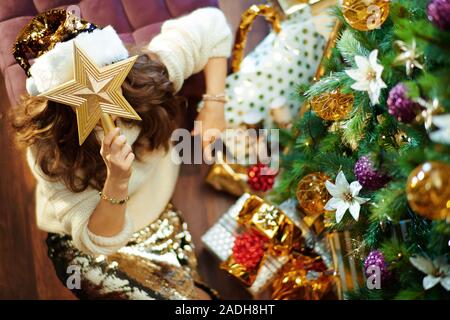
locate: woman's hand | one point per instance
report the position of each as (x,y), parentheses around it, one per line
(212,114)
(108,219)
(118,157)
(212,117)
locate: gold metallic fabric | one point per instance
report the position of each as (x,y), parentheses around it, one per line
(302,278)
(44,31)
(231,178)
(157,263)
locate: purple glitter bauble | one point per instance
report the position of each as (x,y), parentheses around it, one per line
(439,13)
(368,176)
(376,258)
(400,106)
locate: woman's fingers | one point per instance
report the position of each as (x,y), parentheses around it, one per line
(115,148)
(129,160)
(107,141)
(118,155)
(125,151)
(197,125)
(210,136)
(117,144)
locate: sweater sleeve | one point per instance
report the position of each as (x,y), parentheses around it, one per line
(186,44)
(73,210)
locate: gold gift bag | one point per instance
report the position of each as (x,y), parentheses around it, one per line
(231,178)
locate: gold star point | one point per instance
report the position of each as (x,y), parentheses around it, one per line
(93,91)
(408,55)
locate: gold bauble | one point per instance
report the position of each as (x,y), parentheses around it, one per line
(312,195)
(333,106)
(365,15)
(428,190)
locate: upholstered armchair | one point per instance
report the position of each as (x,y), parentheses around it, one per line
(137,21)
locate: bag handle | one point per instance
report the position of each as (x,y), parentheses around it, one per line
(247,19)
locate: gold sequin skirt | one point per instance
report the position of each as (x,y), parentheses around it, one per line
(157,263)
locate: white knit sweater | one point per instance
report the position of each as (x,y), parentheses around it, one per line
(184,46)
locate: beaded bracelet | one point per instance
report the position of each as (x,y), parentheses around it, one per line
(113,200)
(222,97)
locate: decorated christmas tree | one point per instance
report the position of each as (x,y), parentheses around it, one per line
(370,152)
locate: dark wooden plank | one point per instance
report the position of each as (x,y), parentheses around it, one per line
(25,270)
(201,207)
(17,274)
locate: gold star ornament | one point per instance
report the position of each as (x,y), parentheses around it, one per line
(408,55)
(95,93)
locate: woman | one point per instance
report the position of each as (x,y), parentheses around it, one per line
(106,203)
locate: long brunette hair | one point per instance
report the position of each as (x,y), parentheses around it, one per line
(50,128)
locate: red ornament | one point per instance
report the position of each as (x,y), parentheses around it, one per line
(261,177)
(248,249)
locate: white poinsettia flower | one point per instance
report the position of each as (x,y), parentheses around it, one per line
(438,271)
(368,76)
(344,197)
(443,134)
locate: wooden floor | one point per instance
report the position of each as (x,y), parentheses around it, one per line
(25,270)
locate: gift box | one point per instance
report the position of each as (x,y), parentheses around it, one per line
(303,277)
(283,233)
(220,240)
(236,177)
(288,55)
(230,178)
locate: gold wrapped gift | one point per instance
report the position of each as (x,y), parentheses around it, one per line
(231,178)
(264,217)
(282,234)
(287,236)
(302,278)
(272,222)
(245,275)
